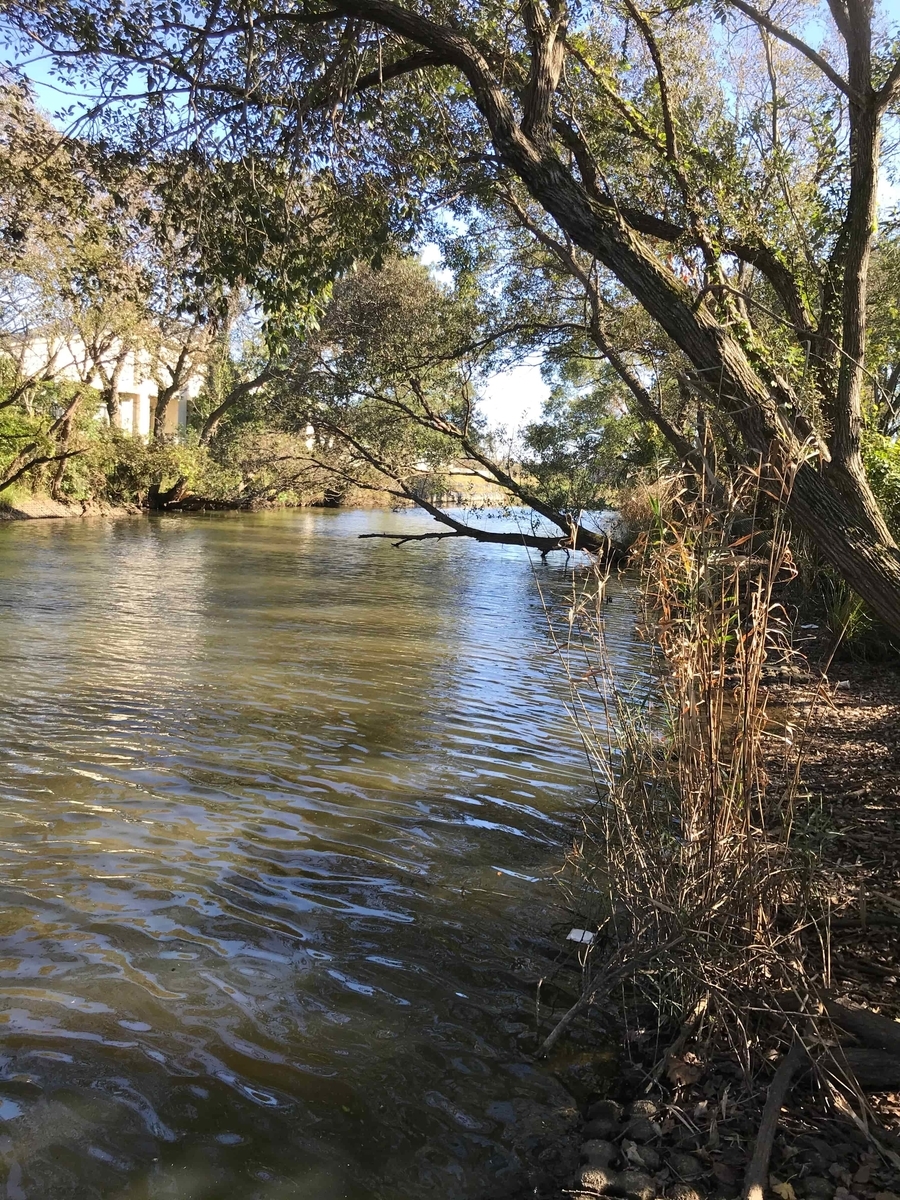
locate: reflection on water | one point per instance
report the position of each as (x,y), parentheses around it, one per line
(271,807)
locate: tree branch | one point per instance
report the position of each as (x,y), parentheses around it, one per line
(402,66)
(791,39)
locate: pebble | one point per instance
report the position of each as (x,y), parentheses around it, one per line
(642,1129)
(686,1166)
(633,1185)
(598,1153)
(643,1108)
(601,1128)
(645,1158)
(597,1179)
(606,1110)
(636,1185)
(816,1187)
(683,1191)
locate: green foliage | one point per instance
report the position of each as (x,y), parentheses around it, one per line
(587,445)
(881,456)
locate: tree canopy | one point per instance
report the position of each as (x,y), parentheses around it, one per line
(711,167)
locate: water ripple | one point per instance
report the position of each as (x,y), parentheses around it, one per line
(278,807)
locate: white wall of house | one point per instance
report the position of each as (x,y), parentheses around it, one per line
(69,360)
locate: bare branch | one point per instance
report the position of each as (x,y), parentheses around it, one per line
(791,39)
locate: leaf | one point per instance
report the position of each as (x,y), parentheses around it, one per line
(784,1190)
(682,1073)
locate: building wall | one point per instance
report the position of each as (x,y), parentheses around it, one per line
(71,362)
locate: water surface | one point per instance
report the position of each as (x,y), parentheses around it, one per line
(278,811)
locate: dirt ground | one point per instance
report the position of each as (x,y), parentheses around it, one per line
(699,1118)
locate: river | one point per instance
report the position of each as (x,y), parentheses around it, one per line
(279,811)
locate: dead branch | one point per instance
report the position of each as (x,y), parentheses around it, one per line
(873,1030)
(603,989)
(757,1176)
(544,544)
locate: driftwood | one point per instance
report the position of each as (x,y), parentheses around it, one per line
(873,1030)
(873,1070)
(757,1177)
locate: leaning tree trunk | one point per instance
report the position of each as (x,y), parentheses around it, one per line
(840,522)
(845,526)
(163,400)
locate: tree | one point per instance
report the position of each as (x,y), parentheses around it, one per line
(603,116)
(386,389)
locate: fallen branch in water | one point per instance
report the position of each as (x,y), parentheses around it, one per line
(533,541)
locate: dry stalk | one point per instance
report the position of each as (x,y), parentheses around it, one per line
(687,865)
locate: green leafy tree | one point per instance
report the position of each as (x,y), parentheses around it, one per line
(685,170)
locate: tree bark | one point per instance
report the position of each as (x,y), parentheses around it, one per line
(874,1030)
(212,422)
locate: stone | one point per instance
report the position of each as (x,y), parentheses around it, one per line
(597,1179)
(635,1185)
(601,1128)
(606,1110)
(586,1075)
(817,1187)
(683,1191)
(642,1129)
(644,1158)
(643,1108)
(599,1153)
(686,1166)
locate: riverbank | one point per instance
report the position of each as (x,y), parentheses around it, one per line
(39,507)
(42,508)
(682,1114)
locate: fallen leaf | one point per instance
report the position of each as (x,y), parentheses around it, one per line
(863,1175)
(784,1190)
(682,1073)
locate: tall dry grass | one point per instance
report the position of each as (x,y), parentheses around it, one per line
(690,867)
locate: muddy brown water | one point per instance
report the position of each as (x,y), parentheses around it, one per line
(278,814)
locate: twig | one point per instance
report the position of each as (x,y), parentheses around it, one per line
(589,998)
(687,1029)
(758,1168)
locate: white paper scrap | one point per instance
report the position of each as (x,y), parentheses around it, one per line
(582,936)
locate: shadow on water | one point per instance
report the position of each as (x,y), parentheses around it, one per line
(278,812)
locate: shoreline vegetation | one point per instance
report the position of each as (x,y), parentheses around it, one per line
(38,506)
(737,883)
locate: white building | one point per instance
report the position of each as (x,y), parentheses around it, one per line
(59,358)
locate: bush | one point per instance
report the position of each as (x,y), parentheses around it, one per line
(882,460)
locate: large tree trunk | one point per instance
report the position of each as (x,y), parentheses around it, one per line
(111,392)
(844,524)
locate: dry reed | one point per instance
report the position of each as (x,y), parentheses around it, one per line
(689,868)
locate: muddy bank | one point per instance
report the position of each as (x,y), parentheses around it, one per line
(37,508)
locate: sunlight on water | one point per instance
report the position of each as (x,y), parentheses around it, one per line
(278,812)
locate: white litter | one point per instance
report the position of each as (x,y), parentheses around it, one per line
(584,937)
